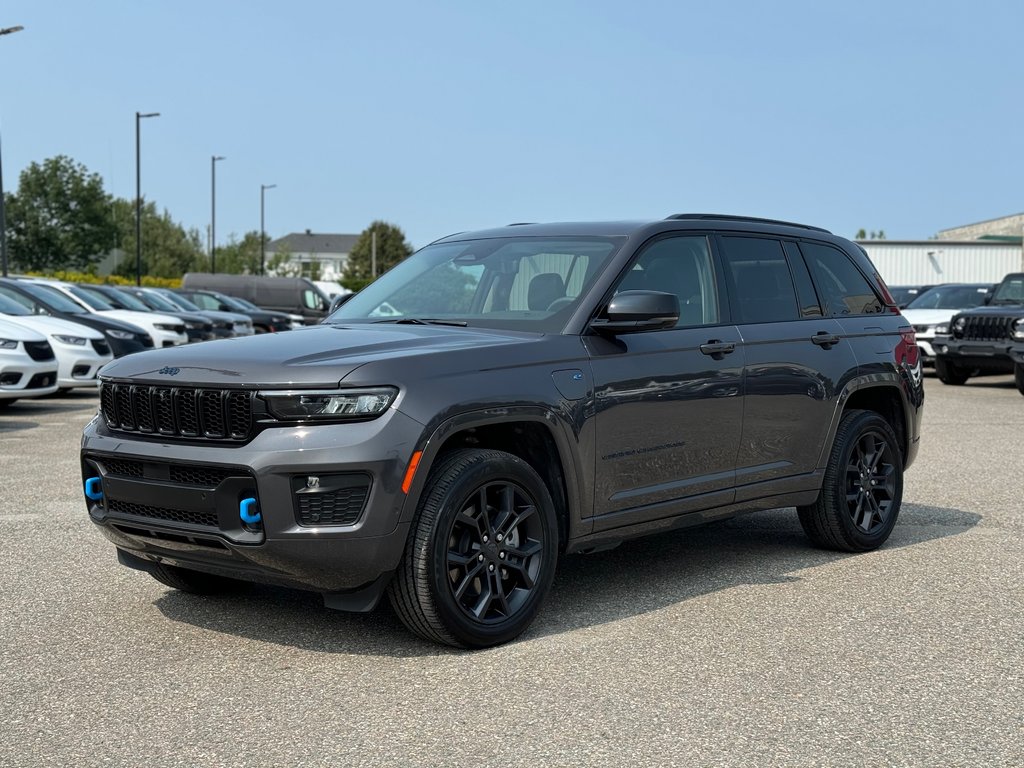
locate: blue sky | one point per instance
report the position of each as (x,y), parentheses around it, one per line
(442,117)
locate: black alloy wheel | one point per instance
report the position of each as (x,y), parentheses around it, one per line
(862,489)
(870,482)
(482,551)
(495,552)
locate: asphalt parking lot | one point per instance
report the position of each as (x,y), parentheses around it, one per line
(735,644)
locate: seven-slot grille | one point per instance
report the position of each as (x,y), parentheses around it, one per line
(178,412)
(987,328)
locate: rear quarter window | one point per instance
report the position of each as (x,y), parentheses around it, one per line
(841,286)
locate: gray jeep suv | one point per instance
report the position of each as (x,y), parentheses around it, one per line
(505,397)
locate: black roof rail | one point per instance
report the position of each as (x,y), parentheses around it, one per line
(752,219)
(520,223)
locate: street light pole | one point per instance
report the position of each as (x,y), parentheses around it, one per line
(263,234)
(3,210)
(213,212)
(138,194)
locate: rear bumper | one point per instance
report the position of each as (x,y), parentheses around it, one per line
(139,511)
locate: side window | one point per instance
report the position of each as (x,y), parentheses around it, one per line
(809,305)
(843,289)
(682,266)
(311,300)
(759,279)
(546,278)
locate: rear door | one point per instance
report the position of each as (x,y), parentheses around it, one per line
(668,403)
(796,362)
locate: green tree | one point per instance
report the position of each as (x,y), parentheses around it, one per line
(168,249)
(240,257)
(281,264)
(392,247)
(59,218)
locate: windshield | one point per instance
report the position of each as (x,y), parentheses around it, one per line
(11,307)
(1010,291)
(92,299)
(179,301)
(129,301)
(513,283)
(53,298)
(237,303)
(951,297)
(156,301)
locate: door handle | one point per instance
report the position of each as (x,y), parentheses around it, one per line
(718,349)
(824,340)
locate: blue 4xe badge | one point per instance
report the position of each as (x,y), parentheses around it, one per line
(169,371)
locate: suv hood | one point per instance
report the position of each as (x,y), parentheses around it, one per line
(315,356)
(928,316)
(54,325)
(13,331)
(1004,310)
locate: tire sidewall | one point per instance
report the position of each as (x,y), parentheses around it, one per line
(491,468)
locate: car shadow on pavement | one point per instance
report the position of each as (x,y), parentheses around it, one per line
(638,577)
(10,425)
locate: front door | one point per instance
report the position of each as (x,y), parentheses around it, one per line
(668,403)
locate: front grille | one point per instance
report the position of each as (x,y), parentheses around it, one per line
(39,350)
(208,519)
(205,476)
(123,467)
(182,412)
(986,328)
(101,347)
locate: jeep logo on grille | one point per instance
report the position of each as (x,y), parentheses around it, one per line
(167,371)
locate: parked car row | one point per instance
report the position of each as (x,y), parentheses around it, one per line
(57,335)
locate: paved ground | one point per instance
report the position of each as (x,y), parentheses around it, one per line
(732,645)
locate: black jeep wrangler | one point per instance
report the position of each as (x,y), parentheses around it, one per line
(505,397)
(985,340)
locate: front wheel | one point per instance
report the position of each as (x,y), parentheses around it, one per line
(950,373)
(863,487)
(482,552)
(1018,377)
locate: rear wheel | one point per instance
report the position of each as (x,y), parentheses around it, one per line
(1018,377)
(193,582)
(482,552)
(863,487)
(950,373)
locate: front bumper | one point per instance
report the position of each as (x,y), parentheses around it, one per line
(26,377)
(78,366)
(163,338)
(275,467)
(986,356)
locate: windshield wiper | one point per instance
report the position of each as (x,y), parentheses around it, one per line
(424,321)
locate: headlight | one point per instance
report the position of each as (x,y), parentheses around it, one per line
(337,404)
(123,335)
(1018,329)
(166,327)
(942,329)
(78,341)
(8,344)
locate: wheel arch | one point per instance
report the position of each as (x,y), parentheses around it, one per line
(534,434)
(888,399)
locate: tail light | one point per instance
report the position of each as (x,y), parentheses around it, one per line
(907,352)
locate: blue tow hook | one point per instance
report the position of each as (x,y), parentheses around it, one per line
(94,488)
(248,513)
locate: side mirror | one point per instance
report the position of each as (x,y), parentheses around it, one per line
(224,308)
(635,311)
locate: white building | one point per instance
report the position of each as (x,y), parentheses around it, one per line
(974,253)
(312,255)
